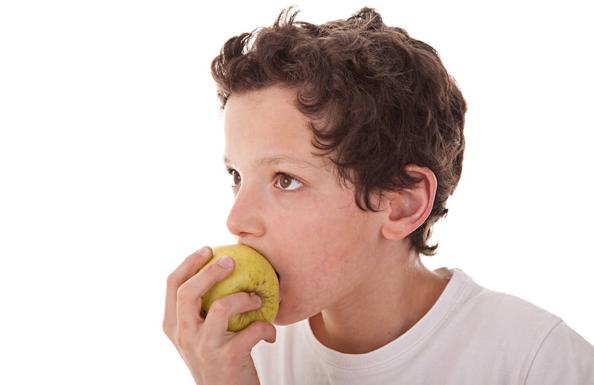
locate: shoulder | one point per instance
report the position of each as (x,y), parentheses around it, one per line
(497,312)
(501,325)
(522,333)
(506,313)
(563,357)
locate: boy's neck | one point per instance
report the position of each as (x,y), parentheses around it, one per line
(383,313)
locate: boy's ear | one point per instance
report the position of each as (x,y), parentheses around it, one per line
(407,210)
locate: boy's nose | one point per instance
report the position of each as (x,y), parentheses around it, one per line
(245,218)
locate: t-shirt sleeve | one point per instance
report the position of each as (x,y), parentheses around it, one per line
(564,357)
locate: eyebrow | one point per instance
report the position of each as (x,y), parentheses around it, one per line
(276,159)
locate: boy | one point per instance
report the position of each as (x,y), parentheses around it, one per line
(344,141)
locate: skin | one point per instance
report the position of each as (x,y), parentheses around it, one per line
(334,260)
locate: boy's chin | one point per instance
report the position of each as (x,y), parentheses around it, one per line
(284,317)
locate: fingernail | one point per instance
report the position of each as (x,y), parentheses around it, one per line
(204,251)
(225,262)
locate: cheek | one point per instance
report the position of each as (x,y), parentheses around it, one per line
(322,236)
(324,249)
(335,245)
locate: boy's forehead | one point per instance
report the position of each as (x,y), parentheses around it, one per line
(255,126)
(307,164)
(276,120)
(271,136)
(268,139)
(273,93)
(277,159)
(271,110)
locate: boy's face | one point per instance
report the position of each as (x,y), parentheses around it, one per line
(306,224)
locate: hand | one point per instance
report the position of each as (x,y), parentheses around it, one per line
(213,354)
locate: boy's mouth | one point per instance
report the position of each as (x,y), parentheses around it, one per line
(278,276)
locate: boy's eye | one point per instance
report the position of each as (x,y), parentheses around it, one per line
(234,173)
(285,181)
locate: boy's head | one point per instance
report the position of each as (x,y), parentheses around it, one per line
(373,99)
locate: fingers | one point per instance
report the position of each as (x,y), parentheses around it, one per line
(193,336)
(221,310)
(184,271)
(189,298)
(258,330)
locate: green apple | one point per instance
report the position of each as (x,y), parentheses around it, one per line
(252,273)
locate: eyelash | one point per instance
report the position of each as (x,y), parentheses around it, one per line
(231,171)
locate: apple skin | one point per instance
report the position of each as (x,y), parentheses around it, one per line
(252,273)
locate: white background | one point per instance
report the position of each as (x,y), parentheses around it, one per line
(111,171)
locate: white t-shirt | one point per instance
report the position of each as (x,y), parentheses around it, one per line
(470,336)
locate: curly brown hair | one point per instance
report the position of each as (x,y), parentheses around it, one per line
(385,100)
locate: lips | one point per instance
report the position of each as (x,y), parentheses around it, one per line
(280,298)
